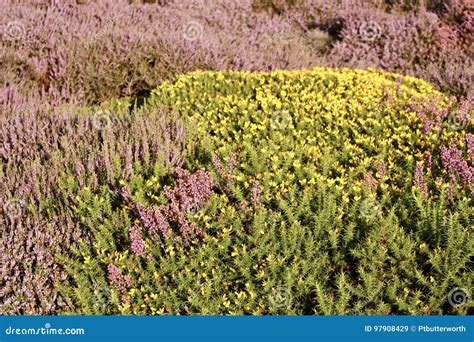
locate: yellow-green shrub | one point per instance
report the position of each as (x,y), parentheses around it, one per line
(282,124)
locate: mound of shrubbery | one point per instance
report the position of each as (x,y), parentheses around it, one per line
(295,192)
(62,147)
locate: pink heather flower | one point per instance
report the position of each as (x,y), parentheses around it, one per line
(256,190)
(420,181)
(429,114)
(231,163)
(470,146)
(429,160)
(370,181)
(218,166)
(137,245)
(154,219)
(118,280)
(190,190)
(382,170)
(188,194)
(454,163)
(450,188)
(225,173)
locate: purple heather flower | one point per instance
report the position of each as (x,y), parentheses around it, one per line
(118,280)
(190,190)
(154,219)
(189,193)
(136,241)
(218,166)
(256,190)
(454,163)
(227,173)
(428,160)
(370,181)
(452,183)
(382,170)
(420,181)
(231,163)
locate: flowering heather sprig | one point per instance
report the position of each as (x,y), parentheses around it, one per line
(470,146)
(218,165)
(225,173)
(190,190)
(255,194)
(430,114)
(154,219)
(370,181)
(118,280)
(428,160)
(420,181)
(231,162)
(189,193)
(136,241)
(461,117)
(450,188)
(381,169)
(454,163)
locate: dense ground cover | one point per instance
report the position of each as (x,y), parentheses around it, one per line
(129,185)
(305,193)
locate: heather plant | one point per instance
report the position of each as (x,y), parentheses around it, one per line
(89,53)
(319,193)
(112,49)
(47,156)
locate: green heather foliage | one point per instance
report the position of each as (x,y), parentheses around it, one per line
(300,220)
